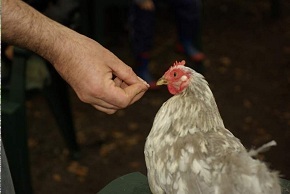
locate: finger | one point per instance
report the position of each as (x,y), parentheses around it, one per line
(118,82)
(123,85)
(113,97)
(122,97)
(137,97)
(101,103)
(144,82)
(125,73)
(105,110)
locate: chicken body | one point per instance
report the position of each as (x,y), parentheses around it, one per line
(189,150)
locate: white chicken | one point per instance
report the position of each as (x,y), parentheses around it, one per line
(189,150)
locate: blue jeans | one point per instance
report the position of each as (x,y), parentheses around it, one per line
(142,23)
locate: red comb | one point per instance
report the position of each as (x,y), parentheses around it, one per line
(179,63)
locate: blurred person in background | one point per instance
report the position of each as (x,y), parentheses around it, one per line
(142,21)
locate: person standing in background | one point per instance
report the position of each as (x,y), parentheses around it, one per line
(142,25)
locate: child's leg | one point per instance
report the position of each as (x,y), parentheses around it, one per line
(187,14)
(142,31)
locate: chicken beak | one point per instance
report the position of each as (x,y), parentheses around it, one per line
(162,81)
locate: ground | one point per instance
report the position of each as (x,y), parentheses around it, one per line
(247,67)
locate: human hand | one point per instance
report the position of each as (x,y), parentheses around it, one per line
(86,65)
(90,68)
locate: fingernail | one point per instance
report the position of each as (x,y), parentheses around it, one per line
(144,81)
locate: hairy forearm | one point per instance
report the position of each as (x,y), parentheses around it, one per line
(25,27)
(85,64)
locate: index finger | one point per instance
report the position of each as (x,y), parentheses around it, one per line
(122,97)
(125,73)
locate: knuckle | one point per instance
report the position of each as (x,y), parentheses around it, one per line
(129,71)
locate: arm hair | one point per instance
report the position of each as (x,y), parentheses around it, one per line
(26,27)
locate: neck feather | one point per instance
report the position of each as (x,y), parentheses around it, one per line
(200,104)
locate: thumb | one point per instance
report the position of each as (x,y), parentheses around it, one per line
(126,73)
(122,97)
(135,92)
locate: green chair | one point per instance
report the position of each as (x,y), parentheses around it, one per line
(133,183)
(14,129)
(13,125)
(136,183)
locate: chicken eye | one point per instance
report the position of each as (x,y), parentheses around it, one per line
(174,74)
